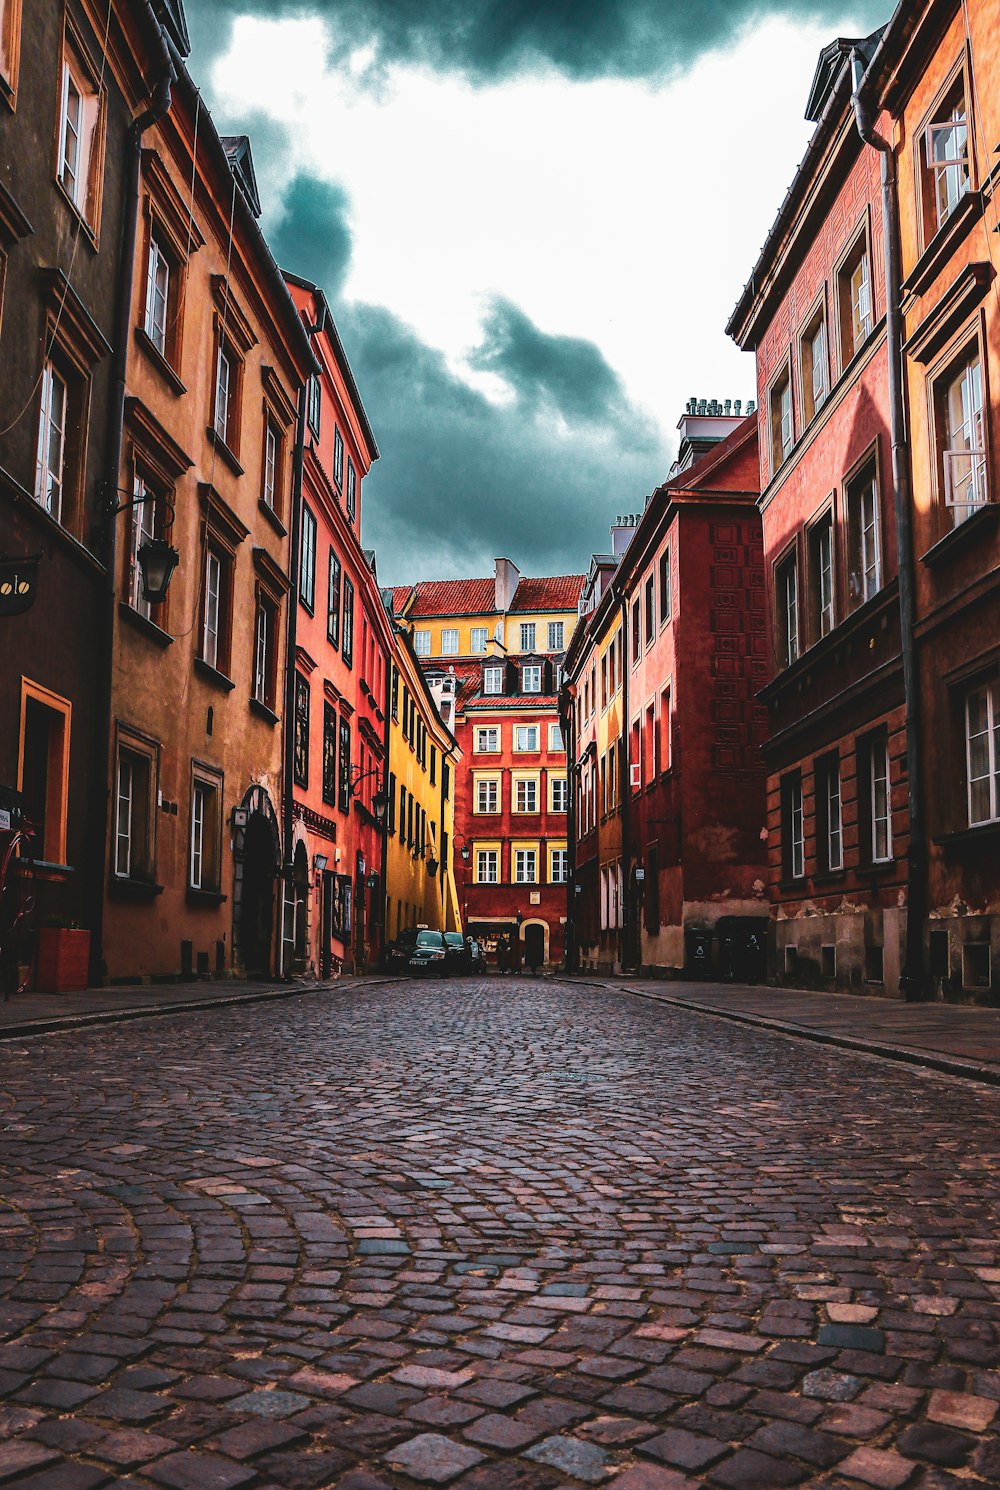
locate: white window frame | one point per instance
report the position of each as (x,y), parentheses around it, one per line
(834,816)
(525,796)
(124,811)
(527,733)
(213,607)
(479,638)
(560,856)
(527,634)
(817,365)
(270,462)
(880,799)
(860,294)
(556,635)
(493,680)
(789,580)
(556,742)
(449,642)
(796,830)
(422,643)
(531,678)
(490,733)
(262,650)
(826,603)
(199,794)
(157,296)
(72,172)
(525,866)
(307,558)
(964,457)
(487,866)
(949,172)
(487,798)
(558,794)
(143,530)
(50,471)
(223,384)
(990,735)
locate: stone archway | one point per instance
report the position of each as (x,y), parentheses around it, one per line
(257,851)
(535,937)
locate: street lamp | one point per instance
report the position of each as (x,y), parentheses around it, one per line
(432,866)
(380,798)
(466,853)
(157,558)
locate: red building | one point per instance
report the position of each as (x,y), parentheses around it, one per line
(492,651)
(664,727)
(337,745)
(814,314)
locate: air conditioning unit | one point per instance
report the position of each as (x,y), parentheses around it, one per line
(635,775)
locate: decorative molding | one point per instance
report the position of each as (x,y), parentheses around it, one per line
(238,325)
(220,517)
(76,324)
(13,223)
(154,440)
(271,572)
(957,302)
(277,394)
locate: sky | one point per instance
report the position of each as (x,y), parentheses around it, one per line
(532,219)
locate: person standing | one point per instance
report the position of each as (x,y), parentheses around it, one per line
(515,954)
(501,953)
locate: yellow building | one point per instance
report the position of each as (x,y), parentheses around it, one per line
(420,836)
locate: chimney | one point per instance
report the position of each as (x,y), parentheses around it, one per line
(507,576)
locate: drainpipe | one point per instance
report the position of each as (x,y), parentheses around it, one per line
(625,788)
(567,712)
(912,980)
(288,723)
(159,105)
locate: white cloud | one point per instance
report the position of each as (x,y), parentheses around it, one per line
(622,212)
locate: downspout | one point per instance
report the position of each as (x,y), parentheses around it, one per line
(158,106)
(567,712)
(625,788)
(288,723)
(912,979)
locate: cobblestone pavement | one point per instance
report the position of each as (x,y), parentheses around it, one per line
(497,1235)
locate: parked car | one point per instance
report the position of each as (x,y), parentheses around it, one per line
(457,958)
(416,950)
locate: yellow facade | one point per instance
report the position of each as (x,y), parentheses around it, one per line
(420,841)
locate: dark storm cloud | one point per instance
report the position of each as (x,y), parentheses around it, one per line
(491,38)
(462,479)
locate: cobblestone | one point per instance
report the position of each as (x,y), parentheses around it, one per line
(496,1238)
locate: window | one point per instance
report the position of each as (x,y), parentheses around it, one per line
(205,860)
(315,403)
(873,766)
(663,734)
(265,650)
(480,636)
(527,636)
(347,635)
(10,45)
(330,754)
(333,602)
(829,823)
(855,300)
(821,576)
(531,679)
(344,783)
(225,382)
(338,458)
(144,525)
(402,813)
(649,608)
(271,488)
(864,537)
(157,296)
(50,462)
(792,832)
(300,740)
(449,642)
(814,367)
(556,742)
(636,634)
(525,866)
(526,737)
(487,796)
(81,126)
(493,680)
(352,491)
(976,966)
(958,403)
(487,866)
(487,740)
(307,559)
(945,160)
(135,781)
(786,583)
(43,768)
(215,614)
(422,643)
(558,866)
(780,408)
(558,794)
(665,586)
(525,794)
(557,631)
(982,744)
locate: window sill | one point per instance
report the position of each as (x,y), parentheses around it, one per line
(272,518)
(263,711)
(973,529)
(228,455)
(120,888)
(881,870)
(89,233)
(45,869)
(830,877)
(939,251)
(212,675)
(983,835)
(159,361)
(144,625)
(207,898)
(799,886)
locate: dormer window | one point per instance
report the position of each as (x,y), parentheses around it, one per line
(531,679)
(493,680)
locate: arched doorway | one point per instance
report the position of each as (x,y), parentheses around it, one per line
(300,883)
(534,936)
(255,847)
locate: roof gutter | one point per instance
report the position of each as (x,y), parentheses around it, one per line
(912,979)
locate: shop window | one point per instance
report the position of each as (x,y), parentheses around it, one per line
(43,768)
(864,536)
(961,437)
(854,294)
(205,861)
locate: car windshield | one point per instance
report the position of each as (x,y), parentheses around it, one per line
(428,939)
(454,939)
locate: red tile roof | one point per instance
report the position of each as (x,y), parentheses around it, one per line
(523,701)
(454,597)
(555,592)
(400,595)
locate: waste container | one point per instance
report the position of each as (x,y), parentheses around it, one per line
(742,948)
(697,953)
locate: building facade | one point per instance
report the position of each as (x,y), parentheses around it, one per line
(492,651)
(72,78)
(217,354)
(338,673)
(665,731)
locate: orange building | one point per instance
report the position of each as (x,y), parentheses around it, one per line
(217,355)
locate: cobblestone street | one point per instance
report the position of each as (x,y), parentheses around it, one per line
(492,1234)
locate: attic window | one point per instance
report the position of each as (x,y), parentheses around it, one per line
(493,680)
